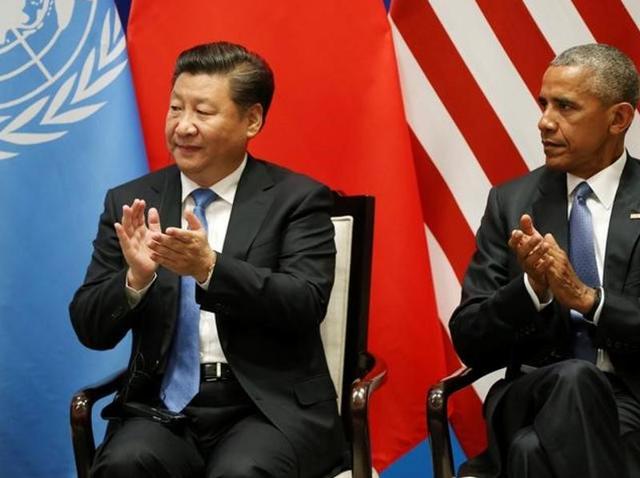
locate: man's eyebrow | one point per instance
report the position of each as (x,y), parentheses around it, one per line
(556,99)
(197,100)
(564,99)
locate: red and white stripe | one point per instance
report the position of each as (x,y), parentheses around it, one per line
(470,73)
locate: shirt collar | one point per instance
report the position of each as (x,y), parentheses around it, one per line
(604,184)
(225,188)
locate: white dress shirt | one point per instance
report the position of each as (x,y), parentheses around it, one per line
(217,214)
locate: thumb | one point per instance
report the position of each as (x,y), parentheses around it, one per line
(526,224)
(153,219)
(192,221)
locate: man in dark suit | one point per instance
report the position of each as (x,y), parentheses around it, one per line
(552,291)
(261,254)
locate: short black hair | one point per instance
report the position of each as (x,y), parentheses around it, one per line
(614,76)
(250,77)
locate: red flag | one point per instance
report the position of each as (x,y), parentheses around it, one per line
(338,116)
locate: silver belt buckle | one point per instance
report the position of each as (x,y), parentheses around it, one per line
(218,370)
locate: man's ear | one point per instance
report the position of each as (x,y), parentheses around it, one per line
(621,117)
(255,116)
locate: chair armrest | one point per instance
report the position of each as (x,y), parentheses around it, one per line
(374,375)
(84,447)
(437,417)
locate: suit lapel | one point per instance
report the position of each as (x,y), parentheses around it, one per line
(623,231)
(550,216)
(170,209)
(250,206)
(550,209)
(170,191)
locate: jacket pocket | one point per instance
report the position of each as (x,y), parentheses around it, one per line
(315,389)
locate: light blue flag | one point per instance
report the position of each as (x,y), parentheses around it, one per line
(69,130)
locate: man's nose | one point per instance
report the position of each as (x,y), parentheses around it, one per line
(547,122)
(185,125)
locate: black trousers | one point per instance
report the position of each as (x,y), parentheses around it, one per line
(227,437)
(565,420)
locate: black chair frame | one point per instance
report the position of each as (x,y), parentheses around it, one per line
(438,417)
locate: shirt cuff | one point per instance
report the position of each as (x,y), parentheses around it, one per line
(596,316)
(534,297)
(135,296)
(205,285)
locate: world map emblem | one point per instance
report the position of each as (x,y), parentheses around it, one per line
(56,56)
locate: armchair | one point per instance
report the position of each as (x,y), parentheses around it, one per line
(355,372)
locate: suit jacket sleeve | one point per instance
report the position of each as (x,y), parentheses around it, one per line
(497,322)
(100,313)
(286,279)
(618,330)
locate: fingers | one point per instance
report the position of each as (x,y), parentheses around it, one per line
(138,212)
(531,250)
(524,245)
(161,253)
(554,250)
(193,221)
(176,238)
(179,250)
(153,219)
(551,240)
(120,232)
(177,241)
(537,262)
(516,237)
(133,216)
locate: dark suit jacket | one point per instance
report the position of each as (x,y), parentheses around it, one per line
(496,324)
(269,291)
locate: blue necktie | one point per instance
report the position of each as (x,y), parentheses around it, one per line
(181,380)
(583,259)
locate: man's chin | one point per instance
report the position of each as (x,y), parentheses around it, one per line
(555,163)
(187,162)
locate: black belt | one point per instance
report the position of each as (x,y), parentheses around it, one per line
(212,372)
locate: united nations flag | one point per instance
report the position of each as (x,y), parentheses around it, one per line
(69,129)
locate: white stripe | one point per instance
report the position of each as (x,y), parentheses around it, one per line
(439,136)
(445,282)
(447,291)
(564,28)
(632,139)
(560,23)
(633,7)
(484,56)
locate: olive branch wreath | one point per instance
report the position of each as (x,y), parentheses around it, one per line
(66,107)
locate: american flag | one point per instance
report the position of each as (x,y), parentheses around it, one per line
(470,74)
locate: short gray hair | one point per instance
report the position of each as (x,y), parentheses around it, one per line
(615,77)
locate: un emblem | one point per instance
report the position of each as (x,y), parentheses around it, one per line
(55,57)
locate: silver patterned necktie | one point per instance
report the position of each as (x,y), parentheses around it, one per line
(181,380)
(582,255)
